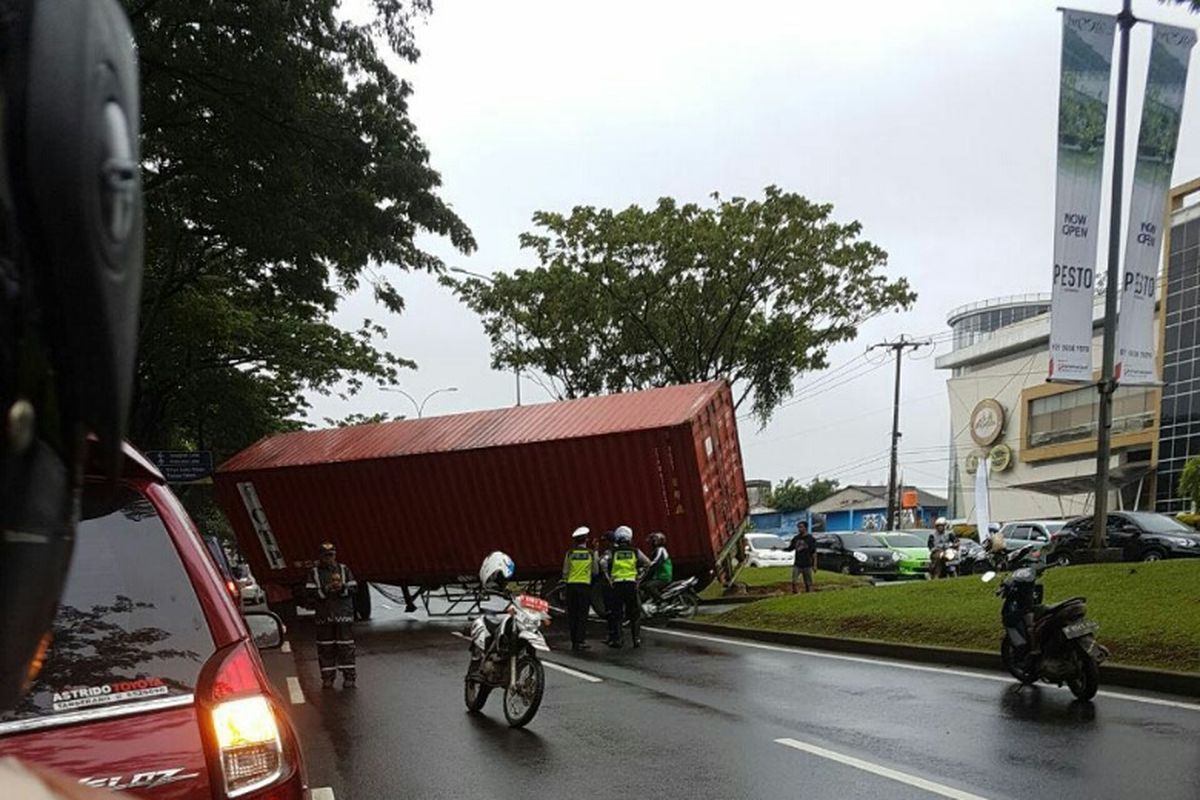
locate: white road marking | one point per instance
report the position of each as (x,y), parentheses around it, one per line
(1154,701)
(286,647)
(583,676)
(388,607)
(295,693)
(323,793)
(885,772)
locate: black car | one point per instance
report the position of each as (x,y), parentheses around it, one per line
(856,553)
(1142,535)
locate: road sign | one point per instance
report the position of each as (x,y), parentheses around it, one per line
(183,466)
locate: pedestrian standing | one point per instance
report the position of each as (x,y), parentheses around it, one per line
(805,547)
(580,568)
(620,570)
(334,586)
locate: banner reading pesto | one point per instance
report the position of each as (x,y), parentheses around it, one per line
(1165,83)
(1082,117)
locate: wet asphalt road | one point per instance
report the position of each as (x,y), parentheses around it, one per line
(688,717)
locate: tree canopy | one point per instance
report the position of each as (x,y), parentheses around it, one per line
(790,495)
(753,291)
(1189,482)
(281,171)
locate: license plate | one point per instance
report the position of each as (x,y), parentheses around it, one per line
(1074,631)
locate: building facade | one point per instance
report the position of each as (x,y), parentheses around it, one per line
(1179,438)
(1039,438)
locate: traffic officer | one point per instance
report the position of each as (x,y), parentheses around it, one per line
(334,586)
(620,569)
(580,567)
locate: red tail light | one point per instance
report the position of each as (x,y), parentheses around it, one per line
(251,751)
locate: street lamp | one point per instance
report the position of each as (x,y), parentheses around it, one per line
(420,407)
(516,330)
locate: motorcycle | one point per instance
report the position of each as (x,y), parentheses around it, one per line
(677,599)
(504,652)
(943,561)
(1068,653)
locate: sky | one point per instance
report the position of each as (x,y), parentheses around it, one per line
(930,122)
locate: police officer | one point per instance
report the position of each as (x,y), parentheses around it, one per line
(620,570)
(580,567)
(334,586)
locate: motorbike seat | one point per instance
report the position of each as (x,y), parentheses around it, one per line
(1045,611)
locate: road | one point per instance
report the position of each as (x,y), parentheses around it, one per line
(689,716)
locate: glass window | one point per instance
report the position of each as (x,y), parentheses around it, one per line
(129,628)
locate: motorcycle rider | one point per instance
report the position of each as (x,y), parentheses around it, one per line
(334,586)
(620,569)
(939,541)
(661,571)
(580,568)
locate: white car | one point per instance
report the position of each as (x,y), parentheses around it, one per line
(251,593)
(767,550)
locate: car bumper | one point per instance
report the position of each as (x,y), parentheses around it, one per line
(874,571)
(913,570)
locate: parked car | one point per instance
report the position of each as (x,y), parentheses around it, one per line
(153,681)
(1018,534)
(858,553)
(913,550)
(1142,535)
(250,593)
(767,550)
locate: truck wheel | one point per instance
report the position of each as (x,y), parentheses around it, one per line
(362,601)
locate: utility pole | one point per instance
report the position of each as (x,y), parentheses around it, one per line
(898,346)
(1107,384)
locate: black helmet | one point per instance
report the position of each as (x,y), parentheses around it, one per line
(658,539)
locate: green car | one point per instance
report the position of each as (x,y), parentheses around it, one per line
(914,551)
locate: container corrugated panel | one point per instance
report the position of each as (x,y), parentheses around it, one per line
(423,501)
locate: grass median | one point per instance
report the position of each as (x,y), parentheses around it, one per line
(758,579)
(1149,614)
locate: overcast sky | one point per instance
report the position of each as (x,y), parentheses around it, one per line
(930,122)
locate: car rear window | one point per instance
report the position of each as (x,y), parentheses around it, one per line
(129,627)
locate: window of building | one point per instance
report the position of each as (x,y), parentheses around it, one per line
(1071,416)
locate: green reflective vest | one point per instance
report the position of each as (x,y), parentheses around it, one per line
(579,568)
(624,566)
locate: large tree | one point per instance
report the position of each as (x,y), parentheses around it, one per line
(281,172)
(753,291)
(791,495)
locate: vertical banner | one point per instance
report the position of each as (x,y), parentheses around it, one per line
(1165,83)
(983,516)
(1082,117)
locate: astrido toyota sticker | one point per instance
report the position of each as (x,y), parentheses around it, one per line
(104,694)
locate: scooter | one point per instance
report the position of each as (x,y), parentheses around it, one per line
(677,599)
(1067,649)
(944,561)
(504,650)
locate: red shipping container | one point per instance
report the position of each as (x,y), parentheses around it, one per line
(421,502)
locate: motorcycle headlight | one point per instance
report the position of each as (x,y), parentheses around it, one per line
(860,556)
(951,554)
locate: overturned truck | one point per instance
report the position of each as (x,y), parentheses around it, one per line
(417,504)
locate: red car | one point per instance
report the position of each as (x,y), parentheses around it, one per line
(153,683)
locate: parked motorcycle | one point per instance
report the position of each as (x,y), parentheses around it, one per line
(677,599)
(504,650)
(1067,648)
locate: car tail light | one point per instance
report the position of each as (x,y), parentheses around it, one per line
(250,749)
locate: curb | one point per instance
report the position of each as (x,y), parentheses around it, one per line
(1155,680)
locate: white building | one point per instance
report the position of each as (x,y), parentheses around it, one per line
(1041,437)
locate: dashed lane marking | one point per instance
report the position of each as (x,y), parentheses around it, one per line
(295,693)
(286,647)
(876,769)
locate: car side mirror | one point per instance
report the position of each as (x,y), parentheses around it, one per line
(266,629)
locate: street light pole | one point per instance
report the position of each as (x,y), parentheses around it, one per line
(419,407)
(516,330)
(1107,384)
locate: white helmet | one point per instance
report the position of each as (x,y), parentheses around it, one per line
(581,532)
(495,570)
(939,522)
(623,534)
